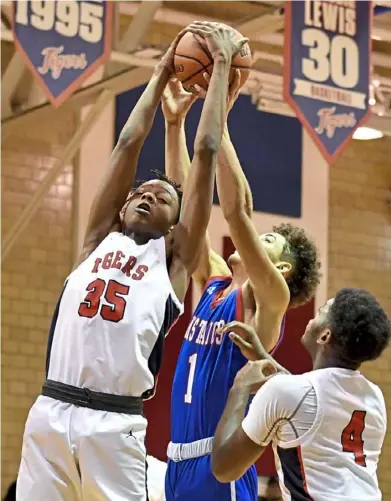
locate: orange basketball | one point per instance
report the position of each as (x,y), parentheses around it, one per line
(192,59)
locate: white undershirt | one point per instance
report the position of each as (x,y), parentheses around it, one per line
(283,410)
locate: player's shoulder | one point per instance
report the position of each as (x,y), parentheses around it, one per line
(287,389)
(215,284)
(377,394)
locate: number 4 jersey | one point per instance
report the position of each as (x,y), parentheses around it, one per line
(327,428)
(109,325)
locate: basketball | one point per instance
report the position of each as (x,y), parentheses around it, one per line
(193,59)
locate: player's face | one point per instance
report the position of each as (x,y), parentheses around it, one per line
(273,243)
(153,209)
(316,328)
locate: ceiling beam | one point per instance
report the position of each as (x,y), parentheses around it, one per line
(138,26)
(6,15)
(266,23)
(182,19)
(135,33)
(126,80)
(9,83)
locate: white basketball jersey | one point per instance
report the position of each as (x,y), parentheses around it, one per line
(336,459)
(108,329)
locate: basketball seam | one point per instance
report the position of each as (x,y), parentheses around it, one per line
(204,49)
(193,59)
(204,68)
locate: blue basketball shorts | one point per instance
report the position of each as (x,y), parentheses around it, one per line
(193,480)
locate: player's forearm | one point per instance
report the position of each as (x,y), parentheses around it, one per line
(230,186)
(210,129)
(226,465)
(228,160)
(177,167)
(141,117)
(177,155)
(198,193)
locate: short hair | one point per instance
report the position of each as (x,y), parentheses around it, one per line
(162,177)
(301,252)
(360,328)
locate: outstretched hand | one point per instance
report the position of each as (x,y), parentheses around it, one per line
(254,375)
(176,101)
(247,340)
(218,38)
(233,91)
(167,60)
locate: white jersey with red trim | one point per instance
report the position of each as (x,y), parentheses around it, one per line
(327,427)
(109,325)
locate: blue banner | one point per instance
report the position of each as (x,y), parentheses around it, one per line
(63,42)
(327,68)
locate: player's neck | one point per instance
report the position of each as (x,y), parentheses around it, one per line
(322,362)
(139,238)
(238,276)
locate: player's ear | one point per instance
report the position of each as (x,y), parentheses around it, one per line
(284,268)
(324,337)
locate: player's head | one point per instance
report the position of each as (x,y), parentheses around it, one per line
(153,207)
(348,330)
(295,255)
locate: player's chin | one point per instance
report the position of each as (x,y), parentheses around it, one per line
(233,259)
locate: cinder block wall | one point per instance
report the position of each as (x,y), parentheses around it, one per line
(33,272)
(360,247)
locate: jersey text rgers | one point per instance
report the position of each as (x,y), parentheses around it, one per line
(108,328)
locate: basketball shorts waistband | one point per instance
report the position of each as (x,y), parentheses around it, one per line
(181,452)
(83,397)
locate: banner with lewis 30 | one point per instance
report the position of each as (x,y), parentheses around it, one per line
(63,42)
(327,68)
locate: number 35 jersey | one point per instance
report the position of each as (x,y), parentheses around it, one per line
(109,324)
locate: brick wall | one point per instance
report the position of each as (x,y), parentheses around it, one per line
(360,246)
(32,274)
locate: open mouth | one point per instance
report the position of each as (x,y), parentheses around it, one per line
(143,208)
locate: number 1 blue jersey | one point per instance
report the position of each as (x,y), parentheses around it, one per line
(207,365)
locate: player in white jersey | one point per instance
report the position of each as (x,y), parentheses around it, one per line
(84,436)
(327,426)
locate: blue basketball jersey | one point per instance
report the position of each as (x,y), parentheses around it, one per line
(207,365)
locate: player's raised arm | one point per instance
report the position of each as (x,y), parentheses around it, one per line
(120,175)
(227,153)
(176,102)
(198,195)
(268,285)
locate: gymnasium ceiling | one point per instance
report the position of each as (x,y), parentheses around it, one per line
(144,29)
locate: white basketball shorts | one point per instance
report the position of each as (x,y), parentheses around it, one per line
(74,453)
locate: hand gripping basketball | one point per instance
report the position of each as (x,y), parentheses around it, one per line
(196,52)
(219,39)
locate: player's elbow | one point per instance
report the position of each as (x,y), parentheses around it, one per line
(207,146)
(222,471)
(235,213)
(131,136)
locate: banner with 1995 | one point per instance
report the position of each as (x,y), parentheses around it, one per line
(327,68)
(62,41)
